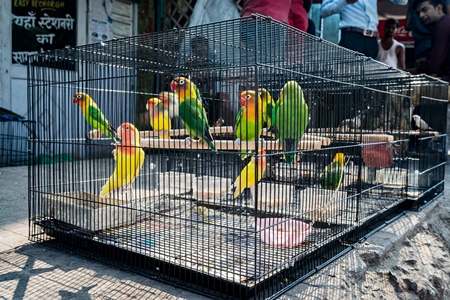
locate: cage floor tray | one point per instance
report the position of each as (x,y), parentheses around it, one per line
(89,211)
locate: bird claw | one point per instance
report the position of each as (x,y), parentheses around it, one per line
(125,189)
(263,142)
(188,140)
(237,142)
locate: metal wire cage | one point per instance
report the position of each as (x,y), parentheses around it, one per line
(183,169)
(14,142)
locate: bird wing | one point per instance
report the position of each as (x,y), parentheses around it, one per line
(194,117)
(246,178)
(98,121)
(238,120)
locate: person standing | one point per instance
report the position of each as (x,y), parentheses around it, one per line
(391,51)
(358,23)
(421,33)
(298,16)
(278,10)
(263,39)
(437,61)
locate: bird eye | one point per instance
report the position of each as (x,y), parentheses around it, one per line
(127,127)
(79,96)
(181,81)
(248,96)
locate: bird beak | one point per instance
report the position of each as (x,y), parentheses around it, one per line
(173,85)
(75,100)
(242,102)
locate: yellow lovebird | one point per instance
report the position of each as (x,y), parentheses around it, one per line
(159,117)
(129,160)
(249,176)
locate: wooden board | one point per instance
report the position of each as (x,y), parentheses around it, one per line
(417,133)
(223,144)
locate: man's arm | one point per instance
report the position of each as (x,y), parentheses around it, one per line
(331,7)
(400,51)
(439,50)
(400,2)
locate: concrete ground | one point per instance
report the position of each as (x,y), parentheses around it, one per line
(34,271)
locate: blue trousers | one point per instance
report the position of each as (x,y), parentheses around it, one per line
(358,42)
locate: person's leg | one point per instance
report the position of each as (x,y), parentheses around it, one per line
(371,47)
(357,42)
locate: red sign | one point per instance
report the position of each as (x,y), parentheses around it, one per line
(401,35)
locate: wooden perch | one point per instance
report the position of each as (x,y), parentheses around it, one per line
(225,130)
(222,144)
(417,133)
(365,138)
(183,132)
(306,137)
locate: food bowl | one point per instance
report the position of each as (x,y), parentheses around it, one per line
(378,155)
(280,232)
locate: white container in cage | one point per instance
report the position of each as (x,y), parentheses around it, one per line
(273,197)
(391,177)
(210,188)
(175,183)
(285,172)
(89,211)
(321,204)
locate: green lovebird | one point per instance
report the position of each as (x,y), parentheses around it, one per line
(332,174)
(93,115)
(268,105)
(249,121)
(191,110)
(290,117)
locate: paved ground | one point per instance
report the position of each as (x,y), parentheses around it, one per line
(33,271)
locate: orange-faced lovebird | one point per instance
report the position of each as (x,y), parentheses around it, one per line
(249,121)
(159,117)
(129,160)
(192,112)
(93,115)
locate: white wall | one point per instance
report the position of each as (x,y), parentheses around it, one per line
(13,79)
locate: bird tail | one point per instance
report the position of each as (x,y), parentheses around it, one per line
(109,186)
(245,154)
(209,140)
(289,145)
(112,133)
